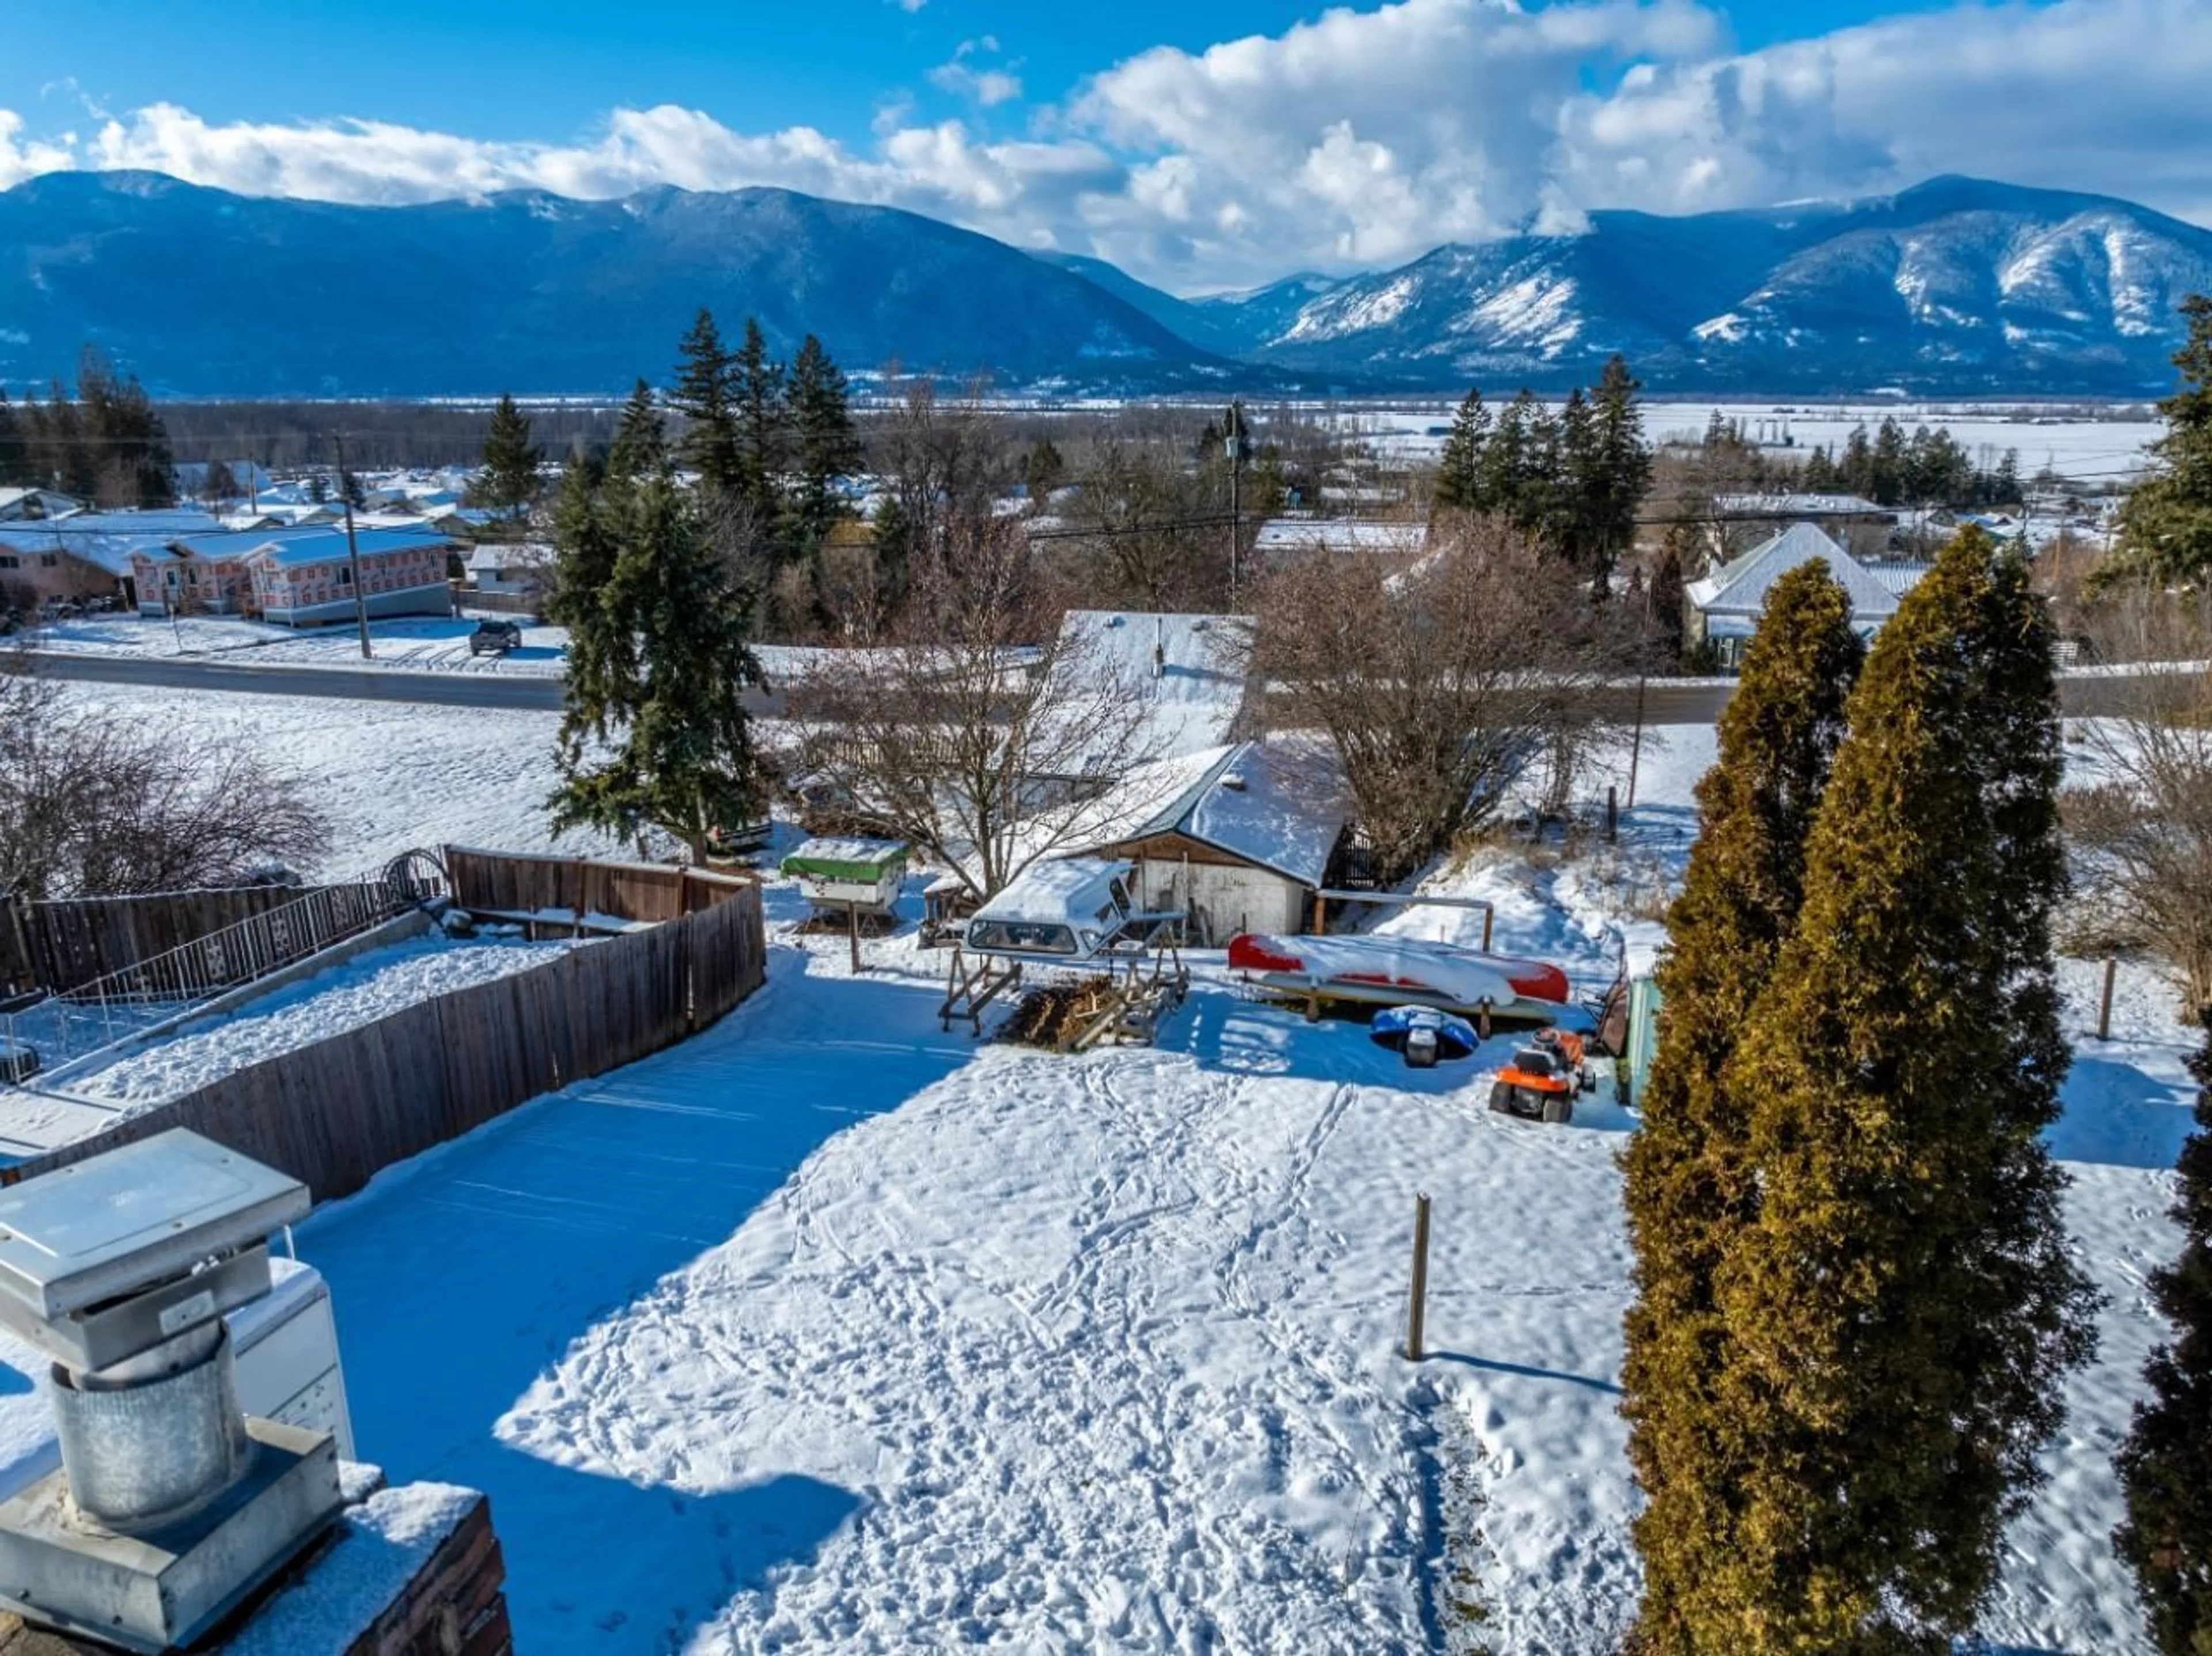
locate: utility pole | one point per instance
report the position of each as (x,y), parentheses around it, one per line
(1235,494)
(353,551)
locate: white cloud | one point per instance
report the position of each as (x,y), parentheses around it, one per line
(1361,138)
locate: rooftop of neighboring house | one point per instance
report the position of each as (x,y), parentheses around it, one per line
(1295,534)
(1280,803)
(1740,588)
(306,549)
(1784,505)
(1179,674)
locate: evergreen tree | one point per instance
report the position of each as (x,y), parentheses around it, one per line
(1819,475)
(352,490)
(1900,1312)
(318,488)
(2004,488)
(1619,468)
(600,684)
(825,447)
(2165,1464)
(220,485)
(1691,1188)
(705,395)
(14,457)
(1459,468)
(1567,497)
(1666,596)
(759,395)
(1855,470)
(682,759)
(1512,460)
(2165,527)
(123,449)
(641,446)
(1042,470)
(508,480)
(1885,466)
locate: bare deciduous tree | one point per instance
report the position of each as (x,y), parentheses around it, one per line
(90,806)
(2141,832)
(1442,678)
(978,733)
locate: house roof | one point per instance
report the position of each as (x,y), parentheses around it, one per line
(511,555)
(306,548)
(1279,804)
(1176,674)
(1740,587)
(1340,535)
(1781,505)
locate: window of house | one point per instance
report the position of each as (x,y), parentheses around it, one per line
(7,562)
(346,577)
(49,560)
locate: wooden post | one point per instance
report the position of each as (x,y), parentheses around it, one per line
(1417,1303)
(1488,915)
(2105,1008)
(853,935)
(1611,813)
(1320,915)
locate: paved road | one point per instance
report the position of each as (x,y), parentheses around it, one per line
(1693,702)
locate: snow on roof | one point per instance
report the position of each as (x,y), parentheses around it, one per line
(305,548)
(237,543)
(1740,587)
(511,555)
(1280,804)
(1898,578)
(44,496)
(1792,505)
(1340,535)
(1175,672)
(1641,942)
(1071,888)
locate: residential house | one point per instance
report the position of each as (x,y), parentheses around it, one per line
(204,574)
(83,557)
(1240,838)
(1724,606)
(1863,527)
(307,579)
(1176,681)
(521,568)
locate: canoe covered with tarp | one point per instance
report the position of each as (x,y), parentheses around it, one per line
(1403,972)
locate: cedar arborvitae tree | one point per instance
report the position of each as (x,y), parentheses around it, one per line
(825,448)
(508,480)
(2165,1464)
(1043,469)
(1690,1189)
(760,399)
(1459,468)
(641,446)
(678,753)
(705,395)
(2165,527)
(1897,1316)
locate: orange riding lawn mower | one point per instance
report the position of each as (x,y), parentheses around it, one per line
(1540,1082)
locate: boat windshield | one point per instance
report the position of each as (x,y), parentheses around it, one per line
(1020,937)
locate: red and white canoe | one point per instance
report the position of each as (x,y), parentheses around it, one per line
(1403,971)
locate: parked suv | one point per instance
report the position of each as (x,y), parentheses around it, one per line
(495,637)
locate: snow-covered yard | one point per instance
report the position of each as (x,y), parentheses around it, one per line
(428,643)
(860,1337)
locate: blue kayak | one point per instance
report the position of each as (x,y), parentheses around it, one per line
(1423,1035)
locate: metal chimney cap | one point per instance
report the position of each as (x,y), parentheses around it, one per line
(131,1218)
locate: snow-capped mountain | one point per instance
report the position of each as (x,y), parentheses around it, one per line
(199,291)
(1956,286)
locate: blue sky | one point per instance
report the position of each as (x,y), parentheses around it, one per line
(1199,144)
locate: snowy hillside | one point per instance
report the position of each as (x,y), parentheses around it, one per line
(1955,287)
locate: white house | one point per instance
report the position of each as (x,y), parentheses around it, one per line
(1724,608)
(20,505)
(1238,836)
(1288,537)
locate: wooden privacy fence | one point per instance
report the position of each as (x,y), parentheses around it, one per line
(59,946)
(494,882)
(336,1113)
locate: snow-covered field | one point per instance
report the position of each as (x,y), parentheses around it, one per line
(359,991)
(2087,450)
(391,775)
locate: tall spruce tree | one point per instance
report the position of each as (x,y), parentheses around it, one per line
(760,398)
(507,480)
(599,687)
(1619,468)
(825,448)
(2165,1464)
(705,395)
(2165,527)
(1899,1313)
(14,457)
(639,448)
(1691,1188)
(681,757)
(1459,468)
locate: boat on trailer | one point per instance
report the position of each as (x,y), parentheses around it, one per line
(1394,971)
(1073,914)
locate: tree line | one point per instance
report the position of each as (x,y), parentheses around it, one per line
(1572,480)
(1930,467)
(102,442)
